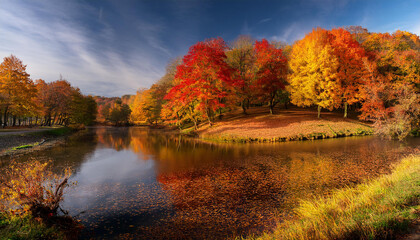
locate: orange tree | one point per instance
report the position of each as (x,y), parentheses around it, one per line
(16,89)
(391,93)
(350,55)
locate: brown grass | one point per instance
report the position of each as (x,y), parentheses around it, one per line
(286,124)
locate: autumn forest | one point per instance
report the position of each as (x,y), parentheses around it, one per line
(376,74)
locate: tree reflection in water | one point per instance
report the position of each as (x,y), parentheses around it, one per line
(140,183)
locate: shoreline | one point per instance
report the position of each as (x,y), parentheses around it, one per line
(300,137)
(294,124)
(21,143)
(385,207)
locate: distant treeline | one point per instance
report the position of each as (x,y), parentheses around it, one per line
(25,102)
(114,110)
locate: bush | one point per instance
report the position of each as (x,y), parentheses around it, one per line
(32,188)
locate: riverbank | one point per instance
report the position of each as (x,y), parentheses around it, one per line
(14,227)
(379,209)
(25,141)
(286,125)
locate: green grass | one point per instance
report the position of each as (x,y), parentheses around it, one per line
(24,146)
(55,132)
(13,227)
(378,209)
(300,137)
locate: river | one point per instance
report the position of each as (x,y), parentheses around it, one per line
(136,183)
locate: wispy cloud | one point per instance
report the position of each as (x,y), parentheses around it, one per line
(294,31)
(264,20)
(51,38)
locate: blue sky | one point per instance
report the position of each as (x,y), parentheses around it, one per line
(112,48)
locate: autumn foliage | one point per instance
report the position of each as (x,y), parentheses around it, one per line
(25,102)
(343,68)
(372,75)
(32,188)
(203,82)
(271,72)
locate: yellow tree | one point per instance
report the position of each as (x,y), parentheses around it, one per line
(16,88)
(314,72)
(145,106)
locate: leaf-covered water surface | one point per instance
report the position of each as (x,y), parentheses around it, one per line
(134,183)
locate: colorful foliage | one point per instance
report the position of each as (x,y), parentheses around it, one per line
(271,72)
(203,80)
(32,188)
(314,72)
(16,89)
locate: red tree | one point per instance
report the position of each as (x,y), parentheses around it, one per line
(202,81)
(271,72)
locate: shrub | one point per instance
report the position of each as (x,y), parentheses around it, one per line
(32,188)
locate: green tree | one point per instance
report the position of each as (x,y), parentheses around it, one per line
(83,109)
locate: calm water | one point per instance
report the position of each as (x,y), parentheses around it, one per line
(136,183)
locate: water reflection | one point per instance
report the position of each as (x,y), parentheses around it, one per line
(139,183)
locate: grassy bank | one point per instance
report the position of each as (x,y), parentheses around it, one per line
(285,125)
(54,132)
(378,209)
(13,227)
(22,141)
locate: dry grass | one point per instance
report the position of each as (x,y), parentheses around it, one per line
(375,210)
(286,125)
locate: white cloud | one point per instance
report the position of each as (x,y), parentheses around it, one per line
(295,31)
(264,20)
(415,29)
(50,38)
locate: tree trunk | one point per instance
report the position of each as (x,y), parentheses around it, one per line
(271,106)
(319,111)
(244,106)
(54,119)
(14,121)
(345,110)
(272,103)
(208,116)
